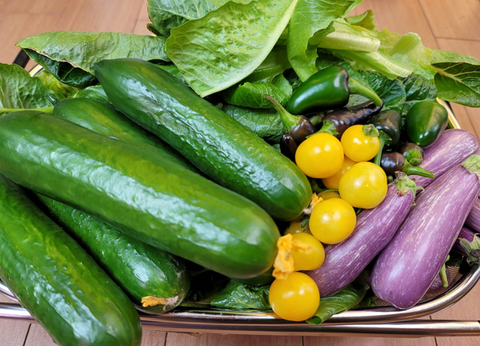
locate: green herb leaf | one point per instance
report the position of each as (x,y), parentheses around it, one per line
(418,88)
(342,301)
(228,44)
(312,17)
(391,91)
(265,123)
(240,296)
(18,90)
(251,95)
(458,77)
(70,55)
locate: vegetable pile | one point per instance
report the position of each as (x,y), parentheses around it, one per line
(275,155)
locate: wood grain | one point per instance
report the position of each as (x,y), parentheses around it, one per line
(444,24)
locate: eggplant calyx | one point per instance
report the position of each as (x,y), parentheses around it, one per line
(472,248)
(405,184)
(472,165)
(370,130)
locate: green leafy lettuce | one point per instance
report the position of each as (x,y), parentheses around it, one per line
(228,44)
(166,14)
(70,55)
(312,18)
(18,90)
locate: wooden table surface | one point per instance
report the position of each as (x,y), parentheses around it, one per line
(444,24)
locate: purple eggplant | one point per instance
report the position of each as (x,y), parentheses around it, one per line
(468,245)
(451,149)
(473,219)
(407,266)
(374,229)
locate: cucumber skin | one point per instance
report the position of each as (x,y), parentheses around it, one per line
(106,120)
(139,193)
(218,145)
(57,281)
(139,269)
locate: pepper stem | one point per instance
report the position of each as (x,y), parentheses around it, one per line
(443,274)
(410,169)
(384,140)
(356,88)
(289,120)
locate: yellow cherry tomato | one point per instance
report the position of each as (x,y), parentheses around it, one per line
(310,255)
(360,142)
(320,155)
(295,226)
(328,194)
(295,298)
(333,181)
(364,185)
(332,221)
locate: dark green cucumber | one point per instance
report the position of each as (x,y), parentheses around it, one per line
(104,119)
(139,193)
(155,280)
(57,281)
(219,146)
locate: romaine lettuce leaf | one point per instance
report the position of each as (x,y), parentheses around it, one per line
(228,44)
(70,55)
(312,17)
(21,91)
(167,14)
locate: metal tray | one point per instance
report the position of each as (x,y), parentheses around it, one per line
(382,320)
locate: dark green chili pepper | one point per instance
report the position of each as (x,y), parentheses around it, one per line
(345,117)
(328,88)
(425,122)
(413,153)
(395,162)
(389,122)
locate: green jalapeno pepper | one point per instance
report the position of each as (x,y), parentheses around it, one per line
(327,89)
(425,122)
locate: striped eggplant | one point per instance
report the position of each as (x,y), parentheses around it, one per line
(374,229)
(473,219)
(451,149)
(407,266)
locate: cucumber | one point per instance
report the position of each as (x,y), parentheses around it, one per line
(106,120)
(59,284)
(216,144)
(155,280)
(139,193)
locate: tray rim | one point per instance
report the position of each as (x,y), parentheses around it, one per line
(248,322)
